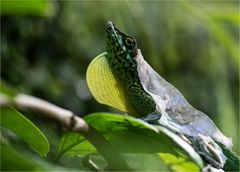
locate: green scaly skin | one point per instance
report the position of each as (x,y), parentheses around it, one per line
(122,49)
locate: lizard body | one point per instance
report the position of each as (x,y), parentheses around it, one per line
(159,101)
(151,95)
(122,79)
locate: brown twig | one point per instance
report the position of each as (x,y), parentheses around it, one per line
(70,121)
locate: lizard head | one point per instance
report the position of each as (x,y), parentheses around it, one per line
(122,56)
(121,49)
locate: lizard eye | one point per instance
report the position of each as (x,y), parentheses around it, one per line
(130,43)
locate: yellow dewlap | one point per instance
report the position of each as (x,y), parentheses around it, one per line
(104,86)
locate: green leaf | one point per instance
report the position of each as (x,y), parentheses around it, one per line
(125,131)
(180,163)
(12,160)
(25,129)
(146,162)
(138,162)
(73,144)
(27,7)
(133,136)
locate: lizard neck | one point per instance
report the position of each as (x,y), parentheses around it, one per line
(127,74)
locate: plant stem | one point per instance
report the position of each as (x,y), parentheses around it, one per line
(71,122)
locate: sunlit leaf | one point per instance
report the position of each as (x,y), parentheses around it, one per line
(27,7)
(25,129)
(180,164)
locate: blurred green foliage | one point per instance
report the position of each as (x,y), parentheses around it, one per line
(193,45)
(27,7)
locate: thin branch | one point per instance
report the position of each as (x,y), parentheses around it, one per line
(69,120)
(29,103)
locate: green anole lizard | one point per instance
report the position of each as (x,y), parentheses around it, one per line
(151,95)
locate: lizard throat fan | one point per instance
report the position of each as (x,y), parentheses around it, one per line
(121,78)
